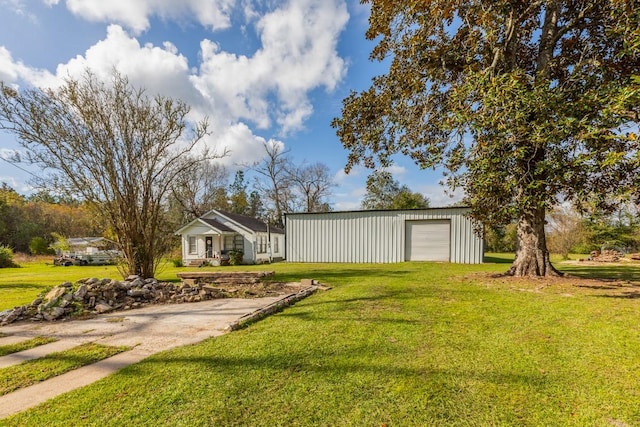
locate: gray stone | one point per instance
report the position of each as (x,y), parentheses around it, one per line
(53,313)
(8,316)
(80,293)
(103,308)
(54,294)
(138,292)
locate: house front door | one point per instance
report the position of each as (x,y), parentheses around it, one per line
(208,246)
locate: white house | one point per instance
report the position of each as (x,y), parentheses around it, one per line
(209,239)
(383,236)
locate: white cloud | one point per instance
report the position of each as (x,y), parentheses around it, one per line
(19,8)
(244,147)
(349,200)
(395,170)
(268,90)
(298,55)
(441,195)
(159,69)
(356,173)
(134,14)
(12,71)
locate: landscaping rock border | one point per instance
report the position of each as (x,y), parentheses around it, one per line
(93,296)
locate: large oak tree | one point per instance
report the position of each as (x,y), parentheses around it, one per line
(522,102)
(113,146)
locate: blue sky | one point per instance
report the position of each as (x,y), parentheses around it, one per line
(261,70)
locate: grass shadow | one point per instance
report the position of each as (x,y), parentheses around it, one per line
(609,272)
(498,259)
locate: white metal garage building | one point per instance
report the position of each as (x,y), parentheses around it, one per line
(386,236)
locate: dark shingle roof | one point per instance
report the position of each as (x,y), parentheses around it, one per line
(251,223)
(217,225)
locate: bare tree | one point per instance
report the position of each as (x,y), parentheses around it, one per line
(113,146)
(313,184)
(197,191)
(565,229)
(273,183)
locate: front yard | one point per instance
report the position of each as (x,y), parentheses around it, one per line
(411,344)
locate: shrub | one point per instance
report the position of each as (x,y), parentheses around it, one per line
(177,262)
(235,257)
(6,257)
(39,246)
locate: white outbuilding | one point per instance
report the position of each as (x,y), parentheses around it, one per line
(383,236)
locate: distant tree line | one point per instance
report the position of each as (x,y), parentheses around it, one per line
(27,222)
(572,232)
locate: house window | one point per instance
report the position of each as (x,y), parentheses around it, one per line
(276,249)
(193,247)
(234,243)
(261,244)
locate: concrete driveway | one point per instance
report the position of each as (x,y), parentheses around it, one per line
(148,330)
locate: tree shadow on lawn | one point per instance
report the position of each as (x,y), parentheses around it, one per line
(22,287)
(608,272)
(356,317)
(622,295)
(329,363)
(497,259)
(338,274)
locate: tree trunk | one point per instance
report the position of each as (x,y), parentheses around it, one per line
(532,256)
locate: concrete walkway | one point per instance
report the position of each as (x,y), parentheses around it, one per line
(148,330)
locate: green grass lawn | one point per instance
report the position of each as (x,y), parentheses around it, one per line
(410,344)
(34,371)
(24,345)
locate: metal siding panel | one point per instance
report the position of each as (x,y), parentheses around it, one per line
(372,236)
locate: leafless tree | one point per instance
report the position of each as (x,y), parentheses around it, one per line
(197,191)
(113,146)
(272,182)
(313,184)
(565,229)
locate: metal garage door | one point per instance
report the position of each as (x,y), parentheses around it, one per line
(428,240)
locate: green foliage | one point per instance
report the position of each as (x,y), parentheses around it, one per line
(256,207)
(177,262)
(238,199)
(519,102)
(609,232)
(6,257)
(39,246)
(385,192)
(23,219)
(60,244)
(500,239)
(235,257)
